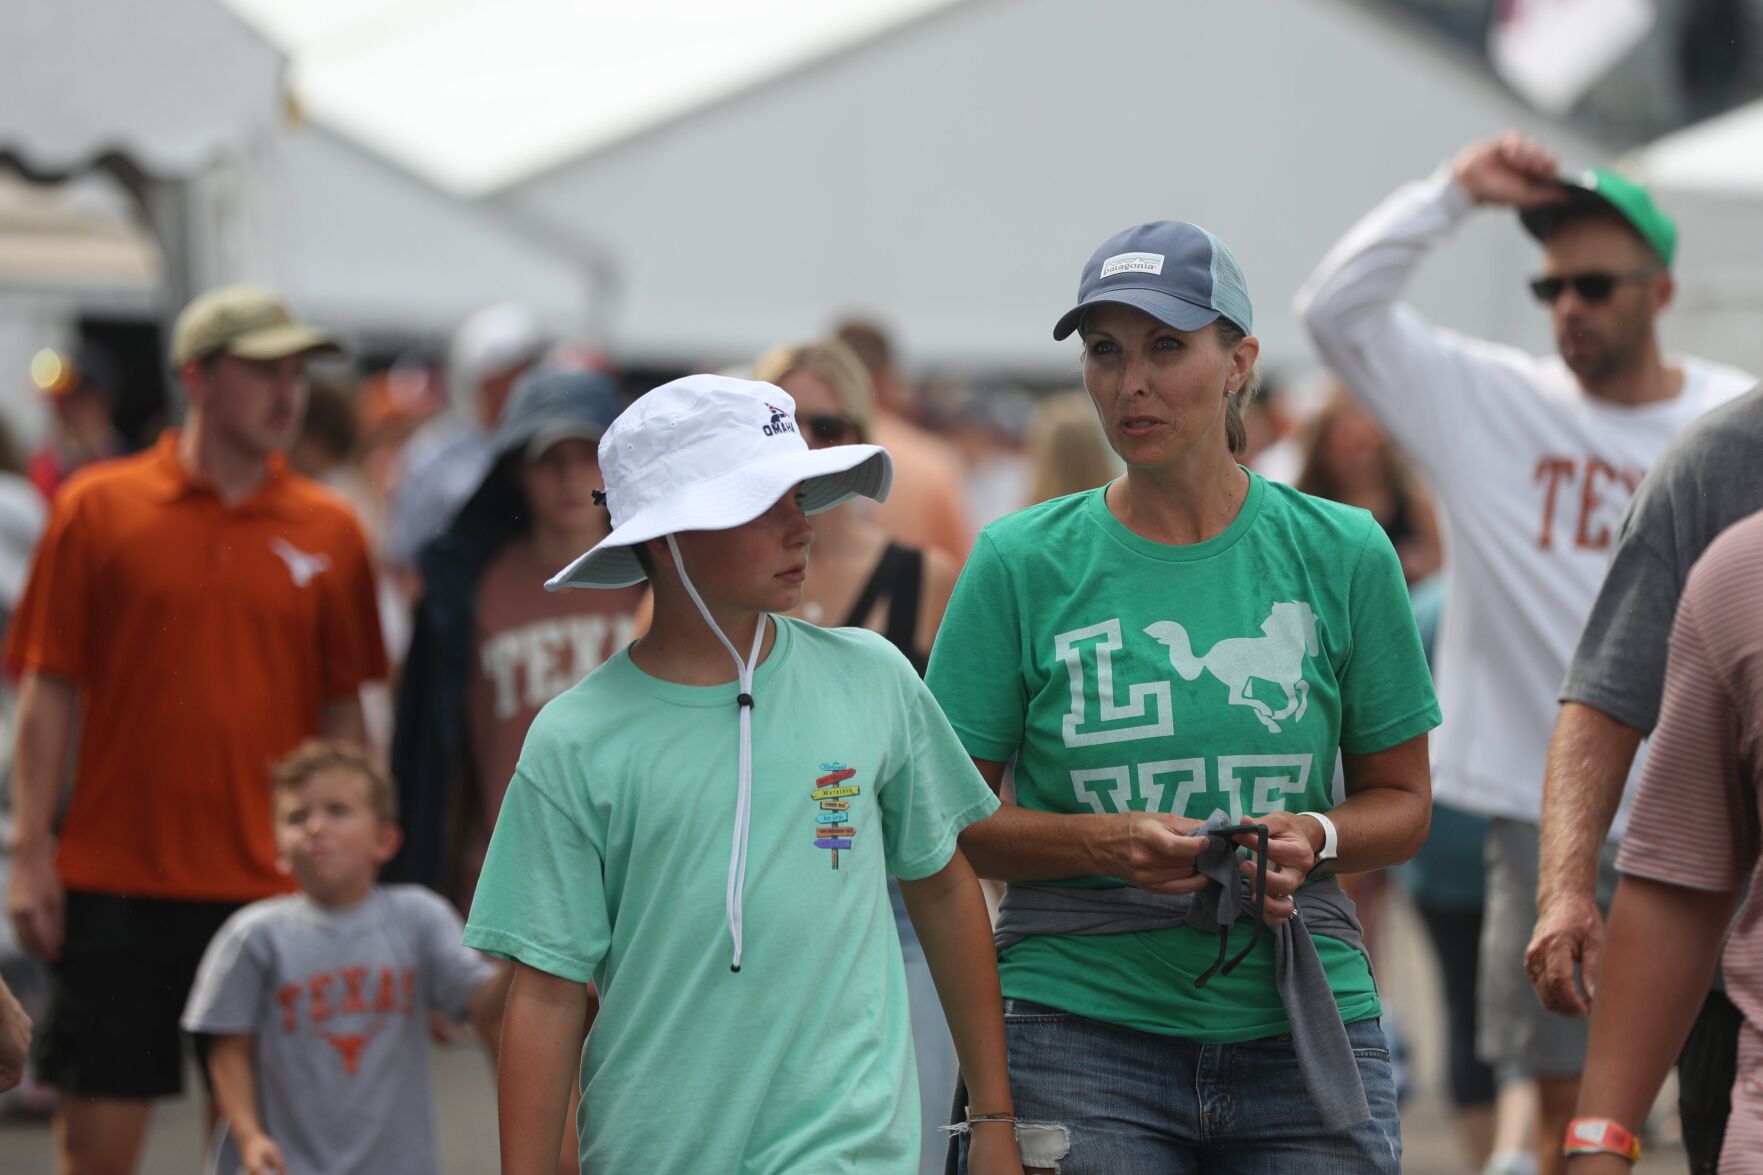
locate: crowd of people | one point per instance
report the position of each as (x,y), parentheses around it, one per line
(352,714)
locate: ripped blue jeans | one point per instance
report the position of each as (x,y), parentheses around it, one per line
(1098,1099)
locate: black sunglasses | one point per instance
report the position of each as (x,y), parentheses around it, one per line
(1228,833)
(830,428)
(1592,288)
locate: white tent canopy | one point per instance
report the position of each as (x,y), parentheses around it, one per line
(364,247)
(479,93)
(953,175)
(77,235)
(1723,155)
(172,85)
(1710,178)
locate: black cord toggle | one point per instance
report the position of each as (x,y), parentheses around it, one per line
(1228,833)
(745,700)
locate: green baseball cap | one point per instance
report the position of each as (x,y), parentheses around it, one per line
(245,321)
(1606,191)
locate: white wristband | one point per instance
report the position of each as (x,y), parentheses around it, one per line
(1331,837)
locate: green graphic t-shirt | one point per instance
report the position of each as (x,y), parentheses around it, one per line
(610,862)
(1132,675)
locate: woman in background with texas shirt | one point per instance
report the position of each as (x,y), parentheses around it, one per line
(1187,645)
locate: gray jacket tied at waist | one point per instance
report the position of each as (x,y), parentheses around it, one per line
(1325,1057)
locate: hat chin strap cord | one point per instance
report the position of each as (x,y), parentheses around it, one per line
(737,864)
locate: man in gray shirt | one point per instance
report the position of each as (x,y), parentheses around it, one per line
(1708,478)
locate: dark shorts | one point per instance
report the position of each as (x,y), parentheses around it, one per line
(117,993)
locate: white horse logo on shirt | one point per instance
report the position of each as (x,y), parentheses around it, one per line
(1277,657)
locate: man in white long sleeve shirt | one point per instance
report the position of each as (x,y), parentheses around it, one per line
(1534,459)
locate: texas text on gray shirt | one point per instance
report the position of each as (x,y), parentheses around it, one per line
(1707,479)
(337,1002)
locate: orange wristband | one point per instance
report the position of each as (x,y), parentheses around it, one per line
(1600,1136)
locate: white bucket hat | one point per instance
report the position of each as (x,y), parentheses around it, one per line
(711,452)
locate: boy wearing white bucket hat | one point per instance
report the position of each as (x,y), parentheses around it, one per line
(709,843)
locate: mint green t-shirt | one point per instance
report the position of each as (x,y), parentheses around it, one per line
(1130,674)
(609,862)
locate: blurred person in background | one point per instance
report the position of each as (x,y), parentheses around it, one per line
(1181,651)
(325,449)
(330,451)
(491,646)
(1347,458)
(1269,422)
(1278,424)
(22,516)
(444,462)
(1067,449)
(926,507)
(204,609)
(1445,880)
(391,407)
(1533,460)
(82,391)
(860,578)
(986,423)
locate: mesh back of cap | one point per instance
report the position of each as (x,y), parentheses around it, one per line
(1230,293)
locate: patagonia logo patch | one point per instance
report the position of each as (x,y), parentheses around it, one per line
(1132,263)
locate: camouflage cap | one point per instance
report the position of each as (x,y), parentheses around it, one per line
(245,321)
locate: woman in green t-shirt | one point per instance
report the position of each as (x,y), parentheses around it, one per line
(1186,649)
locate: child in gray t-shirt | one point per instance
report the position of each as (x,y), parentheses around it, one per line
(319,1002)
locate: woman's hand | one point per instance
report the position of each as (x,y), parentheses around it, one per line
(1290,856)
(1152,851)
(991,1150)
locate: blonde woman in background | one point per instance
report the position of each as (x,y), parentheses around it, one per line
(858,577)
(1067,449)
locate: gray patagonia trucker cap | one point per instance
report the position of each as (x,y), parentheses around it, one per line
(1176,272)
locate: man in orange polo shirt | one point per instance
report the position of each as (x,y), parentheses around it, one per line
(203,609)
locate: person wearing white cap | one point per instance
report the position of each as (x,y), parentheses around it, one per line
(709,843)
(489,645)
(1174,660)
(445,461)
